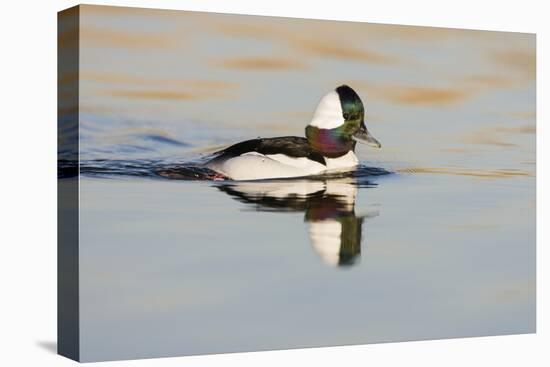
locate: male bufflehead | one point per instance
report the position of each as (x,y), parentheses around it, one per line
(338,122)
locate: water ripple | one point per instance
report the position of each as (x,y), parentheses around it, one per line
(190,170)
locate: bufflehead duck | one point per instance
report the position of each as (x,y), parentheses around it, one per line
(337,124)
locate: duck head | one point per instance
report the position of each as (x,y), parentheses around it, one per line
(338,123)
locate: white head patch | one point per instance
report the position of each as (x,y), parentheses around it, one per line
(328,114)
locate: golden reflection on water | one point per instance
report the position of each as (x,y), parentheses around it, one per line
(523,129)
(499,136)
(313,39)
(487,81)
(416,95)
(119,78)
(529,115)
(523,61)
(424,95)
(117,38)
(284,30)
(486,173)
(134,86)
(339,50)
(458,90)
(257,31)
(162,94)
(262,63)
(483,138)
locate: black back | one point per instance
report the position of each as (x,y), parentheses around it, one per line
(293,146)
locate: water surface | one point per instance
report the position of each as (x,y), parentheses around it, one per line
(442,246)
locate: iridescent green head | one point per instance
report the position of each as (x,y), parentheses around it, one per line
(338,122)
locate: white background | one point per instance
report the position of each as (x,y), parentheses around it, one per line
(28,182)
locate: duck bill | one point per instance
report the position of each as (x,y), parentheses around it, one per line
(363,136)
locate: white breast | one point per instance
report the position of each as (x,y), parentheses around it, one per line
(344,162)
(256,166)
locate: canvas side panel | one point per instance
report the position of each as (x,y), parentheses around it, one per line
(67,188)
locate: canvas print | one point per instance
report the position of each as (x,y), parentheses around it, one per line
(233,183)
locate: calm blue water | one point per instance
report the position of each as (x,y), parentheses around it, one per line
(433,237)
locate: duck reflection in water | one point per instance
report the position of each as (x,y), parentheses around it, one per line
(335,230)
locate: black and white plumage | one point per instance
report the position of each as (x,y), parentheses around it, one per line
(338,122)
